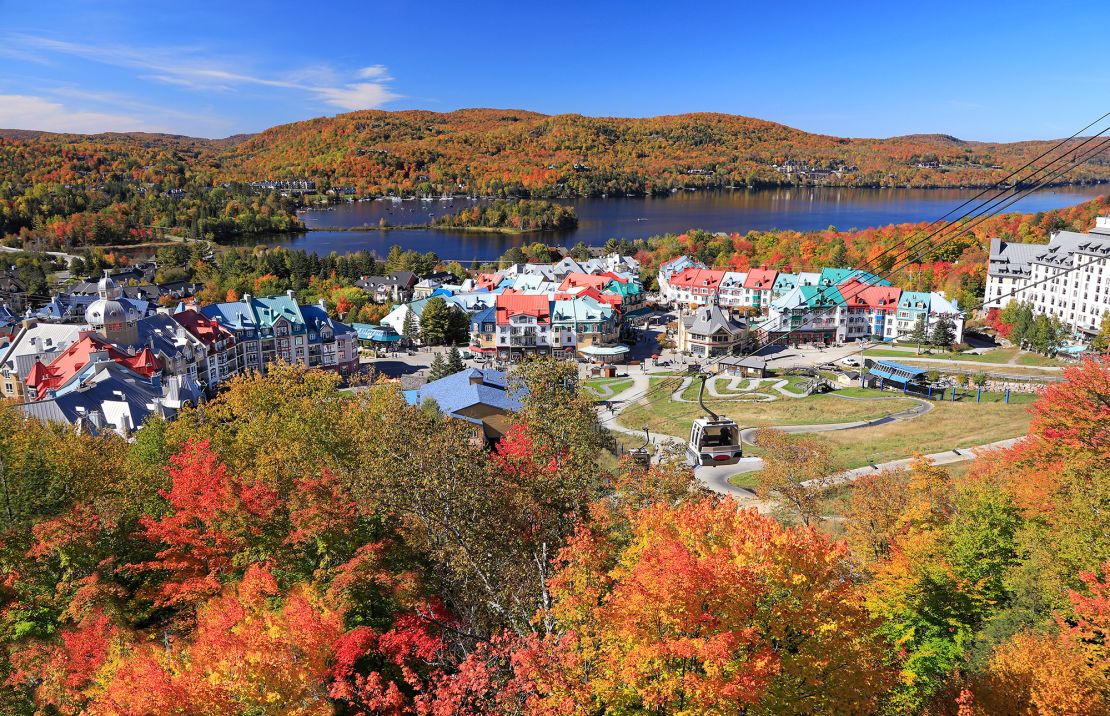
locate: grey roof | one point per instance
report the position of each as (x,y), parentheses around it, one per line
(165,336)
(1065,243)
(405,279)
(711,319)
(1012,260)
(111,397)
(42,340)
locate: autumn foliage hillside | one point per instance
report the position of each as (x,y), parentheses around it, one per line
(495,152)
(293,549)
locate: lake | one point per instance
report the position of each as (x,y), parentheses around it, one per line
(632,218)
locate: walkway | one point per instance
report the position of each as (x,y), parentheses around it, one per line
(716,478)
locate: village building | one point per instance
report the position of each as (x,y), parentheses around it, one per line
(395,287)
(481,398)
(34,341)
(708,331)
(220,360)
(1069,278)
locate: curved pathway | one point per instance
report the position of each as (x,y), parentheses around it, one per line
(716,478)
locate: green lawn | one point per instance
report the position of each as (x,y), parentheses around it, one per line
(793,383)
(617,385)
(948,425)
(744,479)
(662,415)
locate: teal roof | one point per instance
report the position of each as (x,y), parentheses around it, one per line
(378,334)
(624,289)
(837,276)
(785,281)
(914,301)
(269,309)
(821,296)
(605,350)
(580,309)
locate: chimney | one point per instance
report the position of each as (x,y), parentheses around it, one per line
(322,304)
(290,294)
(247,298)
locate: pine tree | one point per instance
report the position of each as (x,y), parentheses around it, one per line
(409,329)
(438,369)
(454,361)
(942,333)
(920,332)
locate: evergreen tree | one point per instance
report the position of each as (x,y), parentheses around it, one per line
(458,326)
(394,259)
(943,334)
(455,361)
(920,333)
(438,369)
(409,329)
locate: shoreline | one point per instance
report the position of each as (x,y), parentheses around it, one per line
(707,189)
(437,227)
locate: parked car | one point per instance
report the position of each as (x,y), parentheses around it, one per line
(849,360)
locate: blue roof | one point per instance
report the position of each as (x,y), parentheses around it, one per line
(380,334)
(466,388)
(233,314)
(898,372)
(486,315)
(317,318)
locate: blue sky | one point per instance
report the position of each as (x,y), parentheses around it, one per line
(990,71)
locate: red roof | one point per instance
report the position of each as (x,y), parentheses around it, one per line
(761,278)
(516,304)
(856,294)
(697,278)
(574,280)
(488,280)
(69,362)
(612,299)
(203,327)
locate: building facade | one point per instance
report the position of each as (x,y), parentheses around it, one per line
(1068,279)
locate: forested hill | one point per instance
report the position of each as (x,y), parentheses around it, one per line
(496,152)
(512,152)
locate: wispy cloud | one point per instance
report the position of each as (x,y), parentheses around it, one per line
(30,112)
(362,88)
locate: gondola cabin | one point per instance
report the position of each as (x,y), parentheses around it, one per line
(714,441)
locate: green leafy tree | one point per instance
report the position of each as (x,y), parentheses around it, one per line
(580,252)
(458,326)
(435,321)
(1048,334)
(1101,342)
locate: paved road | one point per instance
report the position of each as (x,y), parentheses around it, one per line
(55,254)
